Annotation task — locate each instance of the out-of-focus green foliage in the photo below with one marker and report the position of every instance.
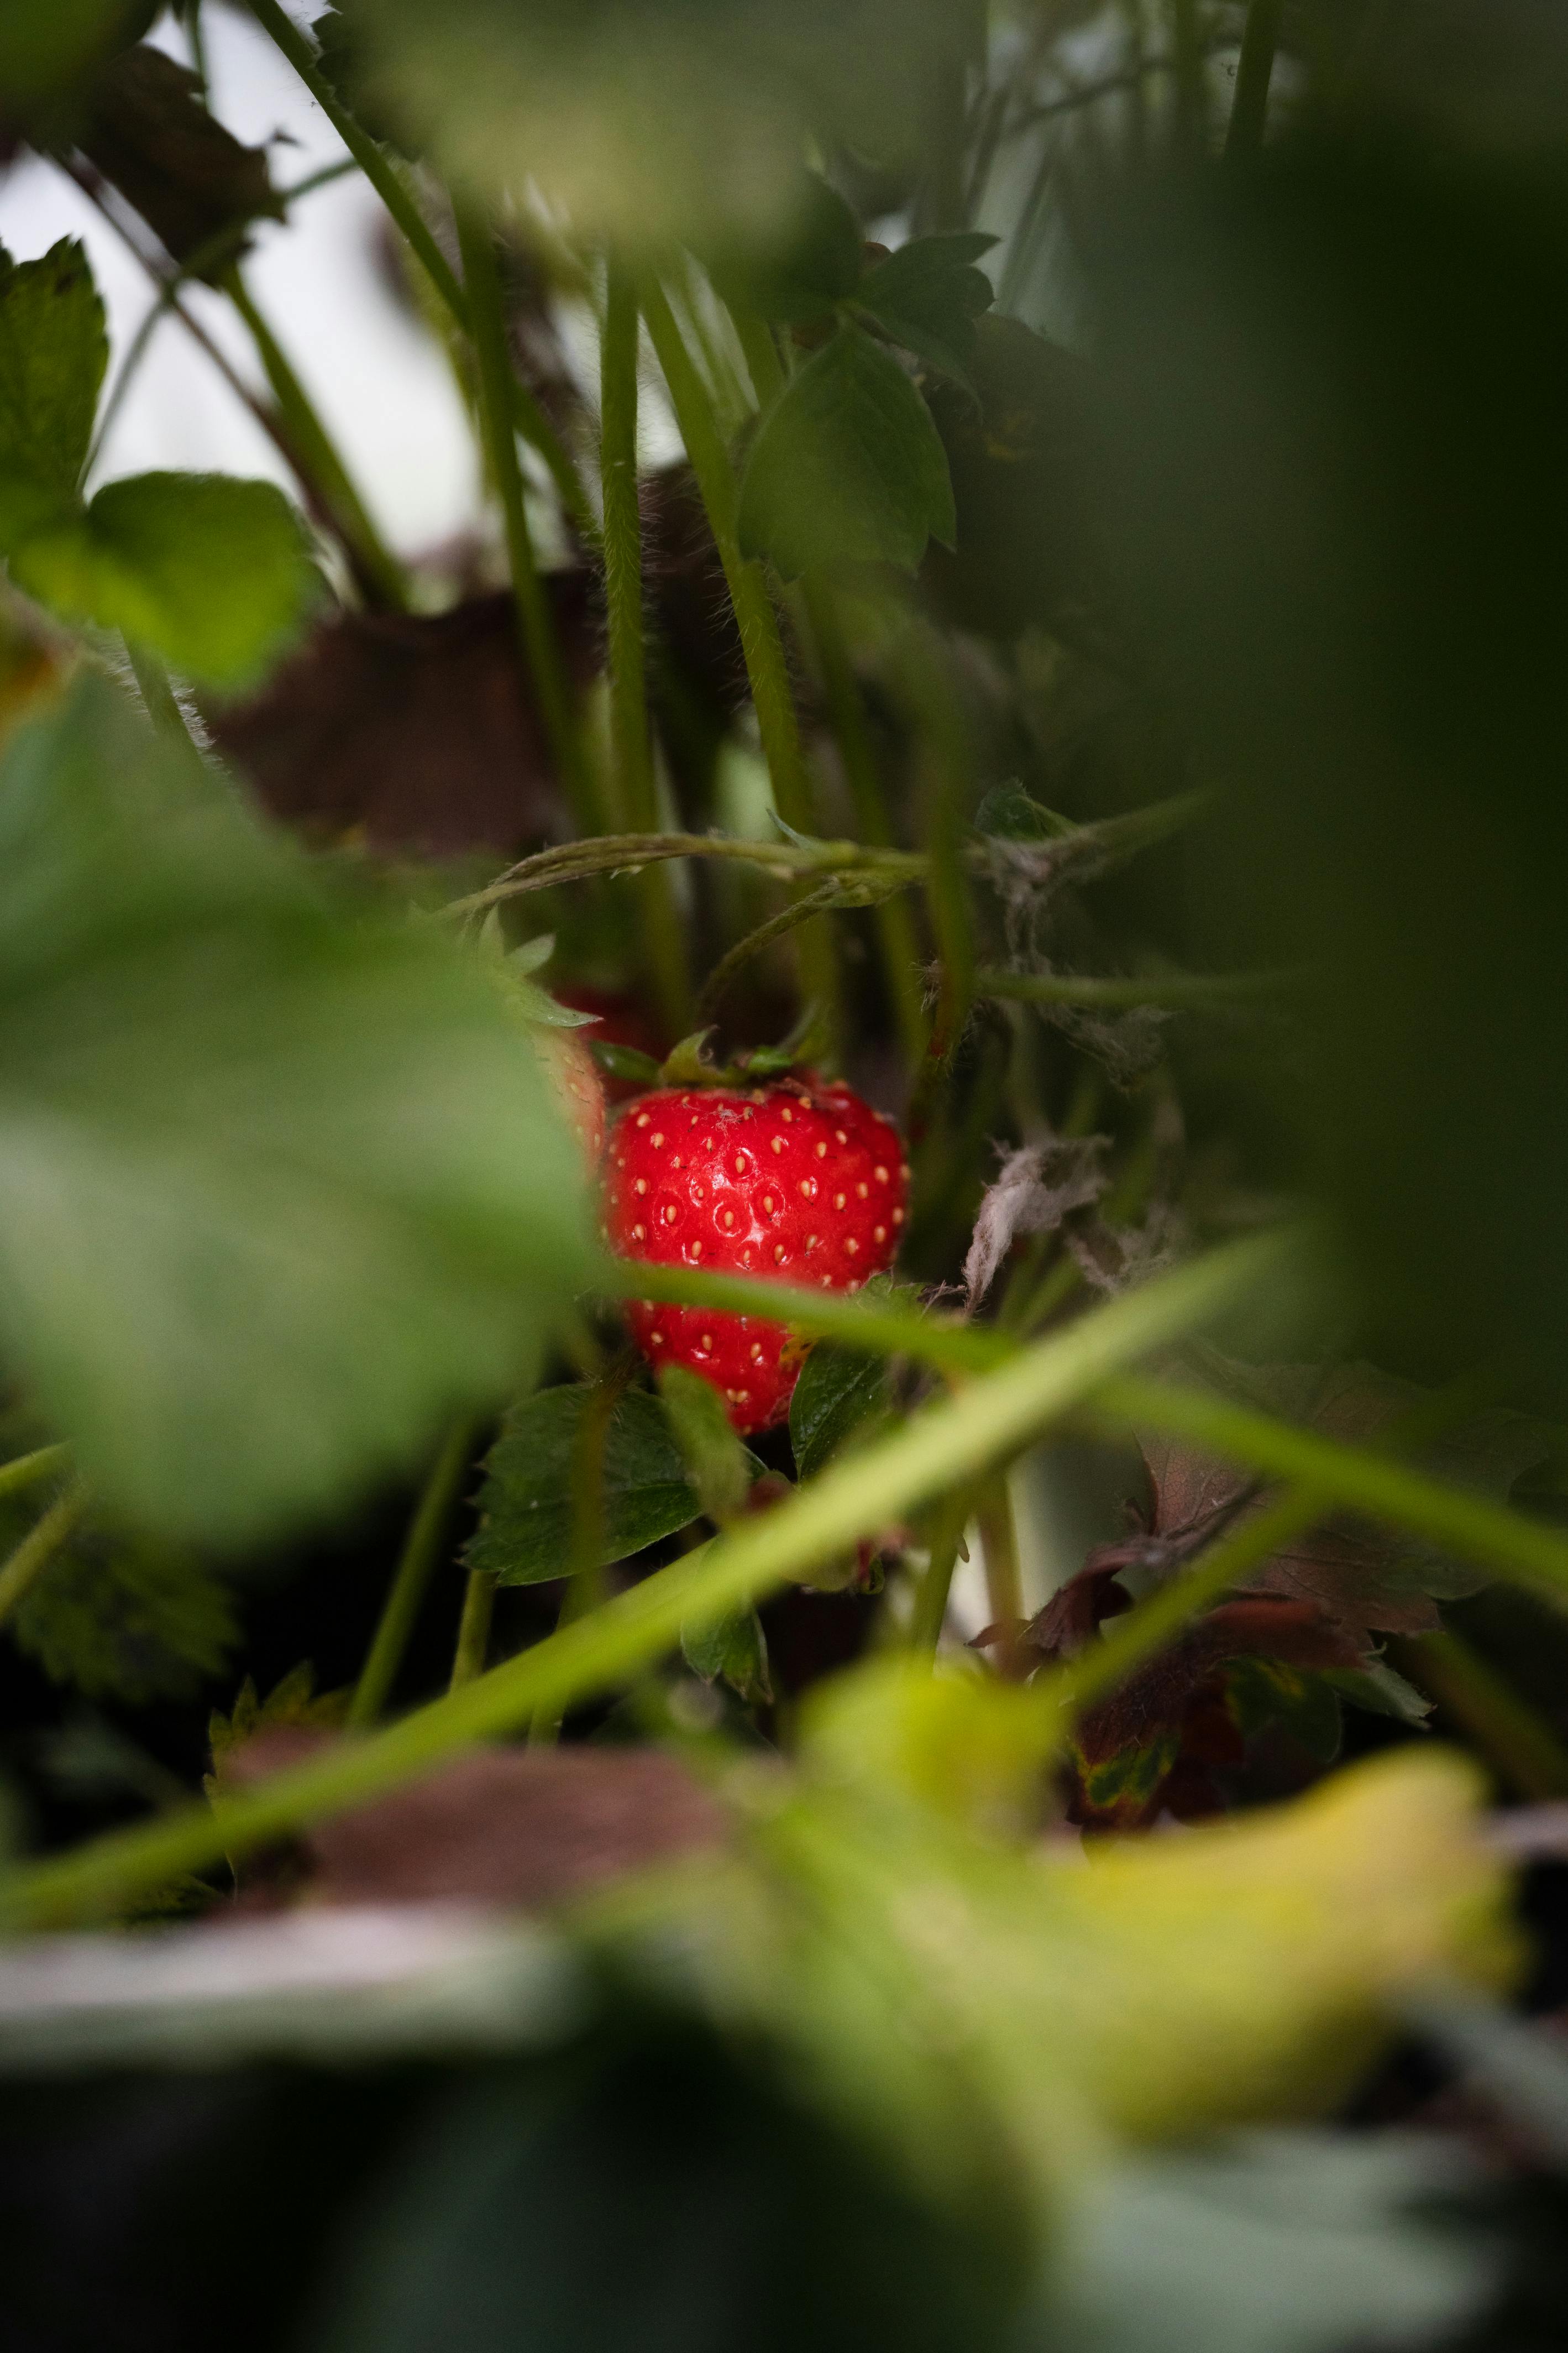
(129, 1618)
(647, 121)
(1331, 390)
(981, 2003)
(279, 1182)
(213, 573)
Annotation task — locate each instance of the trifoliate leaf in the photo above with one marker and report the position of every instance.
(53, 353)
(213, 573)
(280, 1185)
(126, 1618)
(524, 1536)
(846, 467)
(927, 296)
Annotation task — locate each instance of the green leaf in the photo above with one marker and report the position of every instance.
(280, 1185)
(719, 1467)
(53, 353)
(1382, 1692)
(1262, 1693)
(734, 1649)
(213, 573)
(847, 467)
(127, 1618)
(836, 1394)
(927, 295)
(524, 1536)
(795, 275)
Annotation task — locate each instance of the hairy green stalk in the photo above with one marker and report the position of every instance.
(936, 1451)
(1090, 850)
(897, 935)
(767, 669)
(663, 940)
(27, 1470)
(420, 1556)
(536, 624)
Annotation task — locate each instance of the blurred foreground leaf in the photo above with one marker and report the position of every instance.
(126, 1617)
(1277, 2243)
(278, 1184)
(965, 1991)
(1332, 396)
(652, 122)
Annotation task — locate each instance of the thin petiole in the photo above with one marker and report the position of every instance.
(638, 800)
(416, 1566)
(536, 627)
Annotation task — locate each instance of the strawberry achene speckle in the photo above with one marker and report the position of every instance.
(803, 1182)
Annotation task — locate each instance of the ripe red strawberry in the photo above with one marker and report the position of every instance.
(802, 1182)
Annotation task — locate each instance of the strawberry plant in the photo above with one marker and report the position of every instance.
(782, 1393)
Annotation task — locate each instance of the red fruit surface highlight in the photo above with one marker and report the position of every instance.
(802, 1183)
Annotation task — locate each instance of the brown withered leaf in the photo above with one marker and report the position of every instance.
(1366, 1578)
(147, 130)
(414, 734)
(527, 1828)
